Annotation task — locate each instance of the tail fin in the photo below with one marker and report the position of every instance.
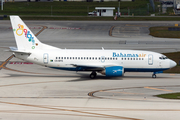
(25, 39)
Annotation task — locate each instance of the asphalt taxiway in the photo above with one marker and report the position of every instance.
(29, 91)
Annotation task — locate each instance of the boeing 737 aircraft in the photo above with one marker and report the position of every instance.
(112, 63)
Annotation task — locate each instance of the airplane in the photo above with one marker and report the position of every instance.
(111, 63)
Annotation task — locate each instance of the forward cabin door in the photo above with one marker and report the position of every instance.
(150, 59)
(45, 58)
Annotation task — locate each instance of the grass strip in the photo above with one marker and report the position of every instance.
(169, 96)
(163, 32)
(176, 57)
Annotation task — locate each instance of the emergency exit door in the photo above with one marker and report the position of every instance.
(150, 59)
(45, 58)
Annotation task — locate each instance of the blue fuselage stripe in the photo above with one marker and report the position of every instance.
(144, 69)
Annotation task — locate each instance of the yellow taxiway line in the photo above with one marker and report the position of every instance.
(158, 89)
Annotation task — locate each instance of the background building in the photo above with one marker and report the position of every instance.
(104, 11)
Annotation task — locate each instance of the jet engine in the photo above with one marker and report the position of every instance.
(115, 71)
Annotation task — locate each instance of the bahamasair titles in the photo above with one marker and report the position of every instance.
(111, 63)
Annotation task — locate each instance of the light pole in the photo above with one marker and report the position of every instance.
(51, 10)
(1, 4)
(119, 9)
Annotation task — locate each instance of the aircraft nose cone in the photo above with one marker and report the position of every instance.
(172, 64)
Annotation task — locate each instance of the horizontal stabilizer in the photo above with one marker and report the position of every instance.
(13, 49)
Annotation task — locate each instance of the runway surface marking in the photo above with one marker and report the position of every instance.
(138, 99)
(3, 65)
(96, 109)
(172, 74)
(110, 31)
(158, 89)
(83, 111)
(44, 27)
(90, 114)
(46, 97)
(137, 25)
(21, 71)
(30, 83)
(124, 92)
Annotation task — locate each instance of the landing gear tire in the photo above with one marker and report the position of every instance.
(93, 75)
(154, 76)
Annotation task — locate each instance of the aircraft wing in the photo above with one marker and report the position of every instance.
(92, 67)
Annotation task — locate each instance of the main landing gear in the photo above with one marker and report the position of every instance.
(153, 75)
(93, 75)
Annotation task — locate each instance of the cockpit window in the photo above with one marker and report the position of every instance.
(163, 57)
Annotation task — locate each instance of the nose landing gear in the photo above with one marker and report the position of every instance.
(93, 75)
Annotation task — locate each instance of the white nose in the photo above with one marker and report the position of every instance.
(172, 64)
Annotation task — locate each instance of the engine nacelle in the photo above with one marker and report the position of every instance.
(115, 71)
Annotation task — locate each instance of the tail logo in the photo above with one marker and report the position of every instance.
(20, 30)
(27, 33)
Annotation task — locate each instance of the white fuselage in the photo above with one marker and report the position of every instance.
(130, 60)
